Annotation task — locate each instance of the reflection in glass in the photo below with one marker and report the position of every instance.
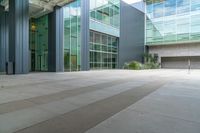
(105, 11)
(195, 5)
(72, 36)
(183, 6)
(172, 21)
(103, 51)
(170, 7)
(39, 43)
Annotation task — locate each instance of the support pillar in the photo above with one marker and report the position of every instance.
(56, 41)
(85, 35)
(19, 35)
(3, 39)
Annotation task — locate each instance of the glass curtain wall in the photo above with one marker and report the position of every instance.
(172, 21)
(105, 11)
(38, 37)
(103, 51)
(72, 44)
(104, 47)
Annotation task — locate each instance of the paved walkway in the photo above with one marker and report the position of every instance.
(117, 101)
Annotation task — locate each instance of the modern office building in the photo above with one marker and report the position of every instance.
(80, 35)
(173, 32)
(68, 35)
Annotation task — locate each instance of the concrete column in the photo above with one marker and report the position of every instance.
(19, 35)
(85, 35)
(56, 41)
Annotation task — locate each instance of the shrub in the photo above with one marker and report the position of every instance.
(150, 61)
(149, 58)
(135, 65)
(151, 65)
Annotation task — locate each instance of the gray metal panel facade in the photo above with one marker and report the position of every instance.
(182, 62)
(195, 62)
(3, 40)
(85, 35)
(55, 43)
(131, 46)
(174, 62)
(19, 35)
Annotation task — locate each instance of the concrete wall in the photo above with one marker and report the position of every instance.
(131, 44)
(177, 50)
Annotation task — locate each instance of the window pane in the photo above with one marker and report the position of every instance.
(102, 49)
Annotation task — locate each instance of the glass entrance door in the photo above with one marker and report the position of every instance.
(39, 43)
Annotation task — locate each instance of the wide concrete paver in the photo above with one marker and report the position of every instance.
(17, 120)
(174, 108)
(179, 104)
(130, 121)
(108, 101)
(82, 119)
(62, 106)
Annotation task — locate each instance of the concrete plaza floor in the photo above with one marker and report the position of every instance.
(107, 101)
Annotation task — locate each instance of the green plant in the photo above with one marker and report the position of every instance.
(150, 62)
(135, 65)
(151, 65)
(146, 57)
(149, 58)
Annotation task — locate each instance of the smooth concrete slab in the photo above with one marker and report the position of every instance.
(174, 108)
(107, 101)
(72, 92)
(62, 106)
(84, 118)
(176, 100)
(11, 122)
(130, 121)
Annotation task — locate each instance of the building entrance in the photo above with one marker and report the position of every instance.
(39, 44)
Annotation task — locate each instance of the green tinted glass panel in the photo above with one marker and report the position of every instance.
(103, 51)
(72, 36)
(172, 21)
(106, 11)
(39, 43)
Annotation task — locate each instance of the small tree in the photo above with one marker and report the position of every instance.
(149, 58)
(150, 61)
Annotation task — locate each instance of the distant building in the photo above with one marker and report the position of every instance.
(173, 32)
